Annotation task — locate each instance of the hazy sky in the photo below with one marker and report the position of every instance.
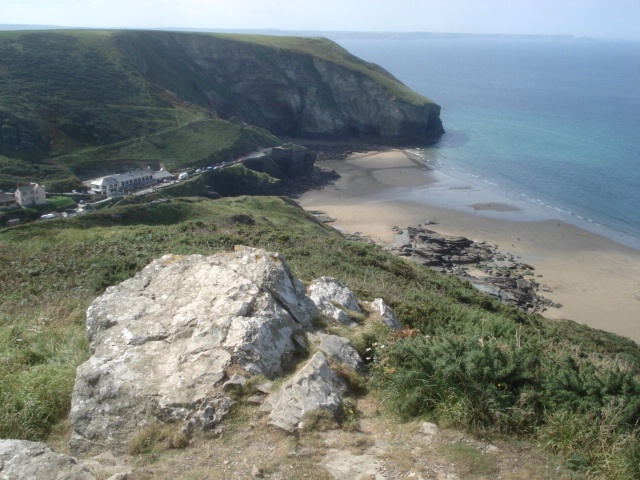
(593, 18)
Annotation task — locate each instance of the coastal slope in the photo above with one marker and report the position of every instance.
(72, 98)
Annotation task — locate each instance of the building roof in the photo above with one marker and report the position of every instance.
(5, 197)
(105, 181)
(28, 188)
(123, 177)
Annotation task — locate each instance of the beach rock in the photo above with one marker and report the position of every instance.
(21, 459)
(314, 387)
(163, 341)
(329, 295)
(503, 276)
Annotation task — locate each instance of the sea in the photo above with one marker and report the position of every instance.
(551, 121)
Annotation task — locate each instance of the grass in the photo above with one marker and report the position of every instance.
(475, 363)
(330, 51)
(157, 438)
(73, 100)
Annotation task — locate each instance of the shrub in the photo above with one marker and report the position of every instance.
(461, 381)
(592, 444)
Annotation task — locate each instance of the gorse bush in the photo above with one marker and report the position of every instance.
(462, 382)
(588, 412)
(592, 444)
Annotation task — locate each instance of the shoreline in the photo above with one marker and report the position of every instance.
(594, 278)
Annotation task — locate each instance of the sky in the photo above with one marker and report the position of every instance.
(615, 19)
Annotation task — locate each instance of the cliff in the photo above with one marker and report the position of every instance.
(300, 87)
(74, 100)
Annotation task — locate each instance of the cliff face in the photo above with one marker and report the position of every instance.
(288, 91)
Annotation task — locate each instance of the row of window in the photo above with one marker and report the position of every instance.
(142, 179)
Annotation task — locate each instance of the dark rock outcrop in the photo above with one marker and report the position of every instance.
(502, 276)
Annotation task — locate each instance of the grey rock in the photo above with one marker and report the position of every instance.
(21, 459)
(338, 349)
(388, 317)
(122, 476)
(327, 293)
(429, 430)
(312, 388)
(235, 382)
(343, 465)
(162, 341)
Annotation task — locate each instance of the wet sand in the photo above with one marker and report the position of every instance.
(595, 279)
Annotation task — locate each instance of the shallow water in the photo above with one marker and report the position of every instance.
(553, 123)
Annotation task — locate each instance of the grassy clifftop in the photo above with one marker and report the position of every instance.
(470, 362)
(330, 51)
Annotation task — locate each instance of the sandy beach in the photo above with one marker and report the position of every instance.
(595, 279)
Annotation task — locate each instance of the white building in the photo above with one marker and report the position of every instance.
(123, 182)
(104, 186)
(32, 194)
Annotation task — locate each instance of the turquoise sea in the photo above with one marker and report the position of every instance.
(552, 121)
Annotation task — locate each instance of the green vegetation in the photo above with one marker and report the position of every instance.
(472, 363)
(157, 438)
(328, 50)
(77, 104)
(71, 104)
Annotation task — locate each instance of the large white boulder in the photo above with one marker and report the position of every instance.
(333, 298)
(163, 341)
(314, 387)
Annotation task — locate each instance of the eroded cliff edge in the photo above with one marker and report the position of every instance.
(299, 87)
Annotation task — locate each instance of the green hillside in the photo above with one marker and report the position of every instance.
(73, 100)
(475, 364)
